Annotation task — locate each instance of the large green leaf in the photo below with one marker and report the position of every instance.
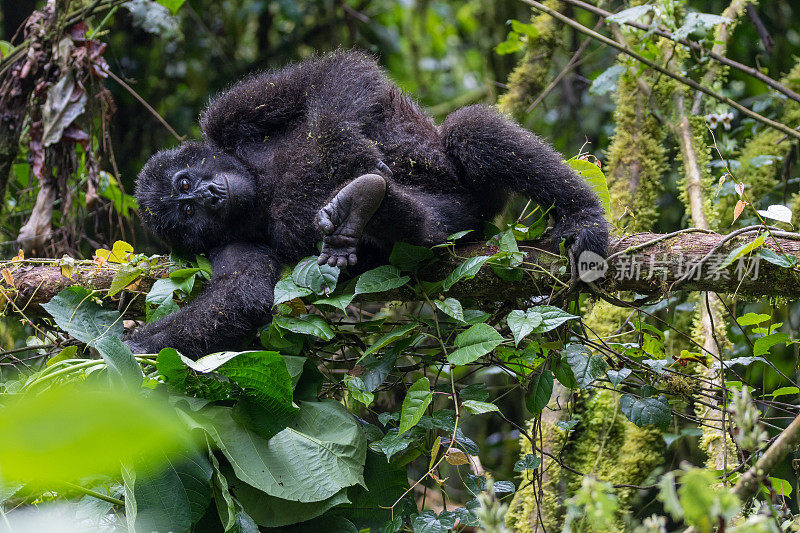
(417, 399)
(232, 515)
(286, 289)
(646, 411)
(552, 317)
(408, 257)
(306, 324)
(392, 336)
(385, 483)
(522, 323)
(380, 279)
(451, 307)
(78, 314)
(269, 511)
(540, 392)
(322, 453)
(174, 497)
(596, 180)
(585, 367)
(70, 432)
(477, 341)
(319, 278)
(466, 270)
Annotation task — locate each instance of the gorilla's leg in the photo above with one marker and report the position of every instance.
(493, 153)
(342, 220)
(386, 212)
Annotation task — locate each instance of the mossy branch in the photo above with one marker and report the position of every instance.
(642, 263)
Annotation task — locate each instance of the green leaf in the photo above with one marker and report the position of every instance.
(552, 317)
(751, 319)
(563, 372)
(393, 443)
(172, 5)
(698, 22)
(380, 279)
(785, 391)
(233, 517)
(269, 511)
(529, 462)
(595, 178)
(340, 301)
(585, 366)
(474, 391)
(417, 399)
(741, 251)
(540, 392)
(319, 278)
(606, 82)
(524, 28)
(319, 455)
(392, 336)
(478, 408)
(477, 341)
(451, 307)
(762, 345)
(408, 257)
(466, 270)
(126, 275)
(385, 483)
(646, 411)
(781, 486)
(174, 497)
(74, 310)
(5, 48)
(630, 14)
(305, 324)
(286, 290)
(512, 44)
(522, 323)
(458, 235)
(781, 260)
(618, 376)
(71, 432)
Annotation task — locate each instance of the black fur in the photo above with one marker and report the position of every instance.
(279, 145)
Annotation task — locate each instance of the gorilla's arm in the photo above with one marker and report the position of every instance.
(346, 84)
(238, 299)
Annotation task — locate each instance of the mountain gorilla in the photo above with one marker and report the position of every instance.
(329, 149)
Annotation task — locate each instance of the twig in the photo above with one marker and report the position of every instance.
(145, 104)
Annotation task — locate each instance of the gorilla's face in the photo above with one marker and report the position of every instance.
(194, 197)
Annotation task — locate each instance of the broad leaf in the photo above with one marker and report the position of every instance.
(305, 324)
(451, 307)
(478, 408)
(74, 310)
(466, 270)
(286, 289)
(174, 497)
(595, 178)
(417, 399)
(319, 455)
(585, 366)
(380, 279)
(540, 392)
(319, 278)
(522, 323)
(646, 411)
(477, 341)
(389, 338)
(552, 317)
(529, 462)
(408, 257)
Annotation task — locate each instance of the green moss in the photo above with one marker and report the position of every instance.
(532, 74)
(604, 444)
(636, 159)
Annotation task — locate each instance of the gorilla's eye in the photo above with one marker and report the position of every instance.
(188, 210)
(183, 185)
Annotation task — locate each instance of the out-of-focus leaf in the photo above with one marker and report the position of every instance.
(87, 432)
(606, 82)
(596, 180)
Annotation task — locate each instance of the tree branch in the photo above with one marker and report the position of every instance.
(643, 263)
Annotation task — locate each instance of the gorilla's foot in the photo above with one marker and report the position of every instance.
(343, 219)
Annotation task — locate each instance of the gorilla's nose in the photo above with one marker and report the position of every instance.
(211, 196)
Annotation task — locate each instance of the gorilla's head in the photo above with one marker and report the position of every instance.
(195, 197)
